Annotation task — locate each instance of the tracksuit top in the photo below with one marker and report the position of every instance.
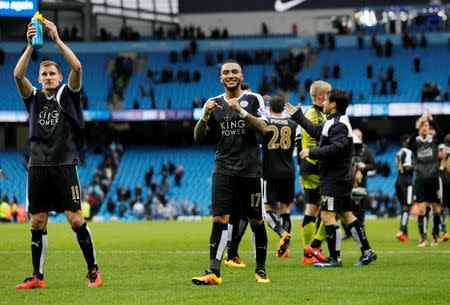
(334, 153)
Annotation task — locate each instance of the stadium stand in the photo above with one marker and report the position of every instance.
(195, 187)
(352, 60)
(15, 180)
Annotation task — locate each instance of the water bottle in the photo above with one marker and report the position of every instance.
(37, 41)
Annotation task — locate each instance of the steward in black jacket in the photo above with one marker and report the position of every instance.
(335, 154)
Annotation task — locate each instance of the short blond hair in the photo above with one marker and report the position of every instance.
(48, 63)
(317, 87)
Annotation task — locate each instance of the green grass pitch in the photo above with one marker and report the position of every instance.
(153, 262)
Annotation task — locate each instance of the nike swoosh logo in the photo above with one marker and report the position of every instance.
(284, 6)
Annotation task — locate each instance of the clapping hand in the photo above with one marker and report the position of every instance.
(291, 109)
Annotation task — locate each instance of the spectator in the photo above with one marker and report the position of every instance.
(196, 102)
(185, 207)
(321, 40)
(148, 207)
(179, 174)
(219, 56)
(265, 29)
(104, 35)
(173, 57)
(331, 42)
(5, 210)
(180, 75)
(413, 41)
(136, 104)
(154, 186)
(380, 146)
(2, 56)
(384, 85)
(66, 34)
(360, 41)
(185, 54)
(165, 183)
(110, 206)
(379, 49)
(406, 40)
(373, 41)
(14, 208)
(149, 176)
(374, 85)
(388, 48)
(138, 191)
(325, 71)
(195, 209)
(122, 209)
(416, 63)
(336, 71)
(302, 95)
(193, 46)
(171, 168)
(186, 76)
(196, 76)
(138, 209)
(308, 83)
(225, 34)
(127, 194)
(423, 41)
(361, 96)
(430, 92)
(369, 70)
(21, 213)
(294, 29)
(74, 33)
(209, 58)
(390, 73)
(394, 85)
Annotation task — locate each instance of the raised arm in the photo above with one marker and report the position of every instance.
(201, 129)
(413, 136)
(23, 84)
(439, 133)
(75, 76)
(297, 115)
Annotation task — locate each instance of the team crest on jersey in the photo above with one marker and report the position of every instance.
(243, 103)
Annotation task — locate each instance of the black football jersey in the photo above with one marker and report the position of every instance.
(403, 159)
(278, 147)
(427, 160)
(238, 145)
(56, 142)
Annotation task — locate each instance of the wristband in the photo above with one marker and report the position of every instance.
(243, 113)
(205, 118)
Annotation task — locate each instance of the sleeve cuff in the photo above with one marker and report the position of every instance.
(312, 153)
(74, 91)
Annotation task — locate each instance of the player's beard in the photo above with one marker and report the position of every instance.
(235, 87)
